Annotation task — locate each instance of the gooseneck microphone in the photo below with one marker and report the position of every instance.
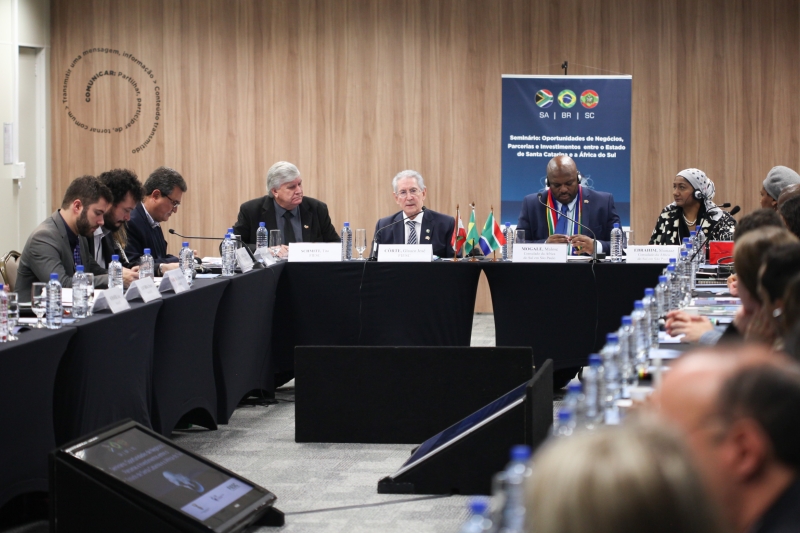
(188, 237)
(594, 247)
(375, 240)
(707, 242)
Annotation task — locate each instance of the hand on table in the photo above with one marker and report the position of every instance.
(557, 239)
(166, 267)
(733, 283)
(691, 327)
(583, 244)
(129, 275)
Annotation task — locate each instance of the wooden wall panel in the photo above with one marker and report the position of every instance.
(353, 91)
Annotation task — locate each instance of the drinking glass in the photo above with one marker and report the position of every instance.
(39, 302)
(519, 236)
(629, 239)
(275, 241)
(89, 292)
(13, 315)
(361, 243)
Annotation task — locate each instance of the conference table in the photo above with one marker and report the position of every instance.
(191, 357)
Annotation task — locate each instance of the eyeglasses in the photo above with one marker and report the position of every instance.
(410, 192)
(175, 204)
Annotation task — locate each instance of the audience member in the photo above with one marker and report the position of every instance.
(781, 264)
(776, 181)
(792, 191)
(111, 237)
(790, 213)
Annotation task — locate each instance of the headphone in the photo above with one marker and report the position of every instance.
(580, 179)
(699, 195)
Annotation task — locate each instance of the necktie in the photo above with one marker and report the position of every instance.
(288, 230)
(561, 225)
(412, 232)
(76, 253)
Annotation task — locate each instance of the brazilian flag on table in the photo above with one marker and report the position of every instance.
(472, 234)
(492, 236)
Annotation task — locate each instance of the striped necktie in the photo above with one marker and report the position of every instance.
(412, 232)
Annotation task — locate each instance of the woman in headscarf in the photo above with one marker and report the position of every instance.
(693, 193)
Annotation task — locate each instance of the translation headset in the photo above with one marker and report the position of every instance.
(580, 179)
(699, 195)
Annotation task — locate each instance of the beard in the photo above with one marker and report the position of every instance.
(111, 226)
(84, 226)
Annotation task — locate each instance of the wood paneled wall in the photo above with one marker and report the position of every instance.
(353, 91)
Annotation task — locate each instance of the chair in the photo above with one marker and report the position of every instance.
(8, 269)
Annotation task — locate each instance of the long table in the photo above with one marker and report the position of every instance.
(194, 356)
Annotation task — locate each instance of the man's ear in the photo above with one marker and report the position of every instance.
(76, 206)
(747, 449)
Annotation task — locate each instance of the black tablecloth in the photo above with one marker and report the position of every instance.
(242, 338)
(106, 373)
(183, 363)
(373, 304)
(559, 310)
(28, 369)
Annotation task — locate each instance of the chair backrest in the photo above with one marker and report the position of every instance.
(8, 269)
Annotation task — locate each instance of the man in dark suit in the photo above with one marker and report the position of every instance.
(163, 191)
(59, 243)
(299, 218)
(110, 238)
(419, 225)
(566, 195)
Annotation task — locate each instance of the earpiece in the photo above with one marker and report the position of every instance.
(580, 179)
(699, 195)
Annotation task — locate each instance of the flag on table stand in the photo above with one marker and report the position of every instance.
(459, 234)
(472, 233)
(492, 236)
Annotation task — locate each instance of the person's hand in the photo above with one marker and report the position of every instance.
(583, 243)
(733, 283)
(129, 275)
(691, 327)
(557, 239)
(166, 267)
(284, 251)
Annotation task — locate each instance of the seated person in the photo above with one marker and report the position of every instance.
(163, 191)
(110, 238)
(790, 214)
(776, 181)
(421, 225)
(566, 195)
(300, 218)
(60, 242)
(693, 193)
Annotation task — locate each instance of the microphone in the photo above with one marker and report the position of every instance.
(734, 210)
(594, 247)
(188, 237)
(374, 251)
(707, 242)
(725, 205)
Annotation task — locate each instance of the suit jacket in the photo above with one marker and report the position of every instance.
(437, 230)
(47, 251)
(141, 235)
(109, 247)
(599, 214)
(314, 219)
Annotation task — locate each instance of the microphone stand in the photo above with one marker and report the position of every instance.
(706, 243)
(374, 251)
(594, 244)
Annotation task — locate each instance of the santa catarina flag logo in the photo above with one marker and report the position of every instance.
(544, 98)
(567, 98)
(589, 99)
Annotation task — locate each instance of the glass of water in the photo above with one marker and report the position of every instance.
(39, 302)
(361, 243)
(275, 241)
(89, 292)
(13, 315)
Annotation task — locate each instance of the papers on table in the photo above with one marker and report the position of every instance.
(664, 338)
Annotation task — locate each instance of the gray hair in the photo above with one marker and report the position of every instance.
(408, 174)
(164, 179)
(280, 173)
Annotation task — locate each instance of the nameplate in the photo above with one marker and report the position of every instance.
(111, 299)
(174, 281)
(651, 254)
(244, 259)
(145, 289)
(264, 255)
(405, 253)
(539, 253)
(314, 252)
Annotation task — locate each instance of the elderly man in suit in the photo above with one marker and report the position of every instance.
(60, 242)
(420, 225)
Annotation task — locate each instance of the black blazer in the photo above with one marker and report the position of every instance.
(437, 230)
(141, 235)
(314, 218)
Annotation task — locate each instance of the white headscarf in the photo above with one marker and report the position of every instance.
(698, 179)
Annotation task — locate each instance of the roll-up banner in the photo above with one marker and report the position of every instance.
(585, 117)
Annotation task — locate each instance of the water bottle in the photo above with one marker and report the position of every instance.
(80, 293)
(147, 265)
(651, 306)
(593, 384)
(674, 281)
(3, 315)
(115, 273)
(685, 273)
(616, 244)
(575, 401)
(511, 238)
(627, 356)
(700, 242)
(563, 426)
(347, 242)
(517, 471)
(506, 248)
(186, 260)
(613, 377)
(672, 261)
(54, 309)
(662, 296)
(692, 264)
(641, 335)
(262, 236)
(478, 521)
(228, 255)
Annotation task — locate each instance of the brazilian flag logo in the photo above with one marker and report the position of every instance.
(589, 99)
(544, 98)
(567, 98)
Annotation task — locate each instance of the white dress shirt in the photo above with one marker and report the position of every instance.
(417, 225)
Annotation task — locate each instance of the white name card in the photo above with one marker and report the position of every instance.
(265, 256)
(539, 253)
(314, 252)
(145, 289)
(244, 259)
(405, 253)
(110, 299)
(174, 281)
(651, 254)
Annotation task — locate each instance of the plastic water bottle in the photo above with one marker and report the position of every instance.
(575, 401)
(3, 315)
(186, 261)
(347, 242)
(506, 248)
(594, 383)
(478, 521)
(685, 273)
(641, 335)
(54, 309)
(262, 236)
(616, 244)
(626, 356)
(613, 381)
(672, 261)
(147, 265)
(228, 251)
(700, 242)
(517, 471)
(115, 273)
(651, 306)
(511, 238)
(662, 296)
(564, 426)
(692, 264)
(674, 281)
(80, 293)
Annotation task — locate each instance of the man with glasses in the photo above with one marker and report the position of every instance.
(419, 225)
(163, 191)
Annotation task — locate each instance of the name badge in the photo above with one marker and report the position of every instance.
(651, 254)
(244, 259)
(539, 253)
(405, 253)
(143, 288)
(314, 252)
(265, 256)
(111, 299)
(174, 281)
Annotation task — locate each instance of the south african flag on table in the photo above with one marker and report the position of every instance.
(492, 236)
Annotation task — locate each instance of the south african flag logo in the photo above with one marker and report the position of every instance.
(589, 99)
(567, 98)
(544, 98)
